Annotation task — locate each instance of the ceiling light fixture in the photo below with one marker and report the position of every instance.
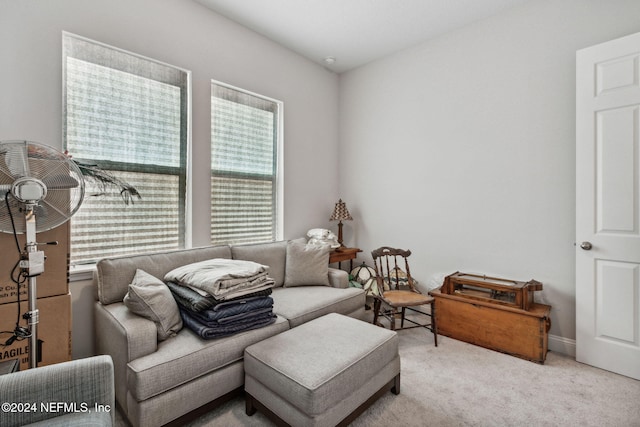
(330, 60)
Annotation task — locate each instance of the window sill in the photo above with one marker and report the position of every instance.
(78, 273)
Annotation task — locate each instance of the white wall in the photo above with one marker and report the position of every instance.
(462, 149)
(185, 34)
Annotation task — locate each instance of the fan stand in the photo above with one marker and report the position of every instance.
(33, 265)
(32, 173)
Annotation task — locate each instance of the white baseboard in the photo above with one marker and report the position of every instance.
(562, 345)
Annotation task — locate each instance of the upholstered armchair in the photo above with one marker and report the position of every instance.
(75, 393)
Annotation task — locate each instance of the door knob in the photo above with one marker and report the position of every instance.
(586, 246)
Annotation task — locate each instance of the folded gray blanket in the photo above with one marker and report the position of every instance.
(222, 278)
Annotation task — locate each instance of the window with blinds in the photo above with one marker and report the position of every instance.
(245, 136)
(128, 115)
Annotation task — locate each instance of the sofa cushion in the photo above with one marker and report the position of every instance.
(271, 254)
(150, 298)
(306, 265)
(301, 304)
(186, 357)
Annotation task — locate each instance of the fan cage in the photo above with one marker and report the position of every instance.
(60, 174)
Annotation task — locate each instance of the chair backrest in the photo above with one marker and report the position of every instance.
(392, 269)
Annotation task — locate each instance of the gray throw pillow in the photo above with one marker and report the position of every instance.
(149, 297)
(306, 265)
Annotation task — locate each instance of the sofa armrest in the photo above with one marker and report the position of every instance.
(125, 337)
(338, 278)
(119, 331)
(84, 383)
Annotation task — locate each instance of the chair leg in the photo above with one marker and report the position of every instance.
(434, 324)
(402, 318)
(376, 310)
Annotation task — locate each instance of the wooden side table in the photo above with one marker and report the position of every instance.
(344, 254)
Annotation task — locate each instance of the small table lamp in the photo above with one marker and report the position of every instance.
(340, 213)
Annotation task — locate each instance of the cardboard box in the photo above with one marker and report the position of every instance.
(54, 280)
(53, 330)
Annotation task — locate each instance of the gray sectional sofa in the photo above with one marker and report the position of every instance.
(157, 382)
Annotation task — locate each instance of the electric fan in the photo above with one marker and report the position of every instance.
(42, 188)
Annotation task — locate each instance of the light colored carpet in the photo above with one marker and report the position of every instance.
(458, 384)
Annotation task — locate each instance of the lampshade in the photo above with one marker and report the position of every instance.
(340, 212)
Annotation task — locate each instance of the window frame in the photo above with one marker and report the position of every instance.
(183, 171)
(278, 159)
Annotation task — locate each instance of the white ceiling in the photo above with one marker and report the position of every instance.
(355, 32)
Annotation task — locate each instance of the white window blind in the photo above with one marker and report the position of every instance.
(128, 115)
(244, 174)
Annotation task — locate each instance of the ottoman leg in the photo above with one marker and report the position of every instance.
(250, 408)
(396, 385)
(252, 405)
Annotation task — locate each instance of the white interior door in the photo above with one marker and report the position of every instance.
(608, 206)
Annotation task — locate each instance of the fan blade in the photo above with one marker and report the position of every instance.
(60, 182)
(52, 214)
(16, 159)
(40, 210)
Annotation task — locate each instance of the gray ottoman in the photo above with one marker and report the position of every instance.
(325, 372)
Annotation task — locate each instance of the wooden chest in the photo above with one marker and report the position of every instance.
(521, 333)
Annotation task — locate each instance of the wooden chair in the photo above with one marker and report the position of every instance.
(397, 292)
